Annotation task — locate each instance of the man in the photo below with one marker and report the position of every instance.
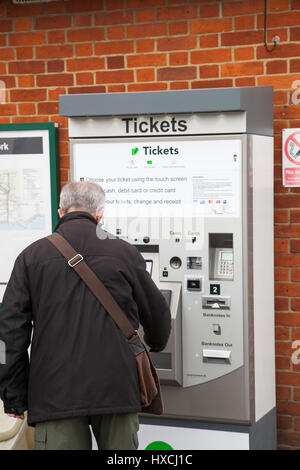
(82, 371)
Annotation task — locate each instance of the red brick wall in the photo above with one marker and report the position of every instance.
(82, 46)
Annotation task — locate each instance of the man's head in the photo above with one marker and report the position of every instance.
(82, 196)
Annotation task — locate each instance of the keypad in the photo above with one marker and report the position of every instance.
(225, 268)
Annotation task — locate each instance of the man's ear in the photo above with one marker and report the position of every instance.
(99, 215)
(60, 213)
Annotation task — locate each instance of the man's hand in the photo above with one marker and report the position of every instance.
(16, 416)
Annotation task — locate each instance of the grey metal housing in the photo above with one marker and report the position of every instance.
(242, 398)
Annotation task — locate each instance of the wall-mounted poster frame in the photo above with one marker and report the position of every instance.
(28, 189)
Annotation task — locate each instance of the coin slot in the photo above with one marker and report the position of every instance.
(175, 262)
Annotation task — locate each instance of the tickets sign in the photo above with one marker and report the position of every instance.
(291, 157)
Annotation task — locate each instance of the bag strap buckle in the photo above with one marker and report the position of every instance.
(72, 262)
(133, 337)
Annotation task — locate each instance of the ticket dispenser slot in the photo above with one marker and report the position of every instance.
(216, 356)
(221, 265)
(167, 293)
(169, 361)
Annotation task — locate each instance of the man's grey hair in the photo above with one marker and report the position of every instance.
(82, 195)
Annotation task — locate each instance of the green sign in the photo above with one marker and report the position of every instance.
(159, 445)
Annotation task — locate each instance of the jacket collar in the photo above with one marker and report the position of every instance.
(75, 215)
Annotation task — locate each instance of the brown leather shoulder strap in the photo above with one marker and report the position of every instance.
(76, 262)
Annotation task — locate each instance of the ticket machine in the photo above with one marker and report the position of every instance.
(188, 177)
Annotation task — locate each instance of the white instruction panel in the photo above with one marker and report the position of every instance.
(154, 177)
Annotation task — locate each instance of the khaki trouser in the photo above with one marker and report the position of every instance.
(112, 432)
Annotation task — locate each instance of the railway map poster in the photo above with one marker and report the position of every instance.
(25, 193)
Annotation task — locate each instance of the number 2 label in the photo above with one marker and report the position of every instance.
(215, 289)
